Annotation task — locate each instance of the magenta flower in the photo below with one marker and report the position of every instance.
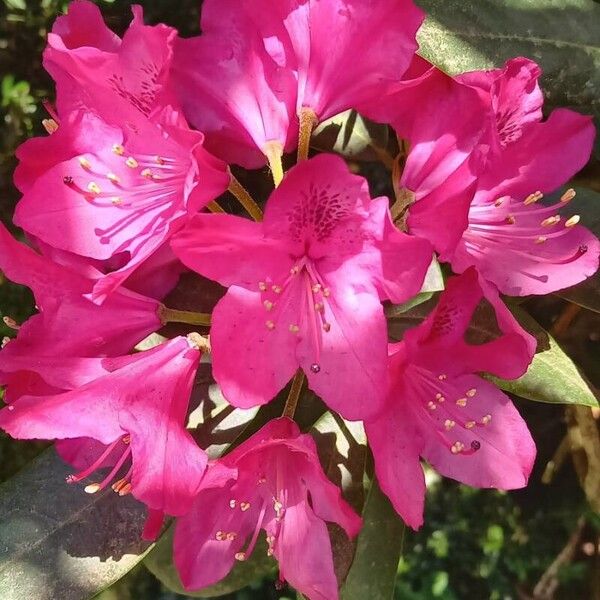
(440, 409)
(135, 406)
(121, 80)
(280, 488)
(109, 193)
(305, 288)
(258, 63)
(68, 324)
(521, 245)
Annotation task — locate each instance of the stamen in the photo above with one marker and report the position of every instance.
(113, 177)
(268, 304)
(94, 188)
(532, 198)
(132, 163)
(232, 503)
(550, 221)
(85, 163)
(471, 393)
(241, 556)
(462, 402)
(572, 221)
(568, 195)
(486, 419)
(118, 149)
(11, 323)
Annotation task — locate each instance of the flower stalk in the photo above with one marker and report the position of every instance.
(245, 199)
(308, 122)
(294, 395)
(171, 315)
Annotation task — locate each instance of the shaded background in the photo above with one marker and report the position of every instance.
(475, 544)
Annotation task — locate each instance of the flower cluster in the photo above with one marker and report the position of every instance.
(119, 199)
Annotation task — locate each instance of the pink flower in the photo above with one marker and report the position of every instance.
(514, 241)
(305, 288)
(258, 62)
(121, 80)
(107, 192)
(280, 488)
(135, 406)
(68, 324)
(440, 409)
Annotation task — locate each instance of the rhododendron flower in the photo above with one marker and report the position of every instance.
(440, 409)
(112, 193)
(68, 324)
(258, 63)
(305, 288)
(134, 405)
(281, 488)
(123, 81)
(522, 246)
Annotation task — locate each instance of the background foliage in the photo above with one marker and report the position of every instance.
(542, 542)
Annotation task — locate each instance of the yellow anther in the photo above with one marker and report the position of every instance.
(244, 506)
(94, 188)
(462, 402)
(572, 221)
(232, 535)
(486, 419)
(241, 556)
(118, 149)
(550, 221)
(116, 200)
(568, 195)
(92, 488)
(220, 536)
(457, 447)
(449, 424)
(471, 393)
(85, 163)
(147, 173)
(470, 424)
(132, 163)
(533, 198)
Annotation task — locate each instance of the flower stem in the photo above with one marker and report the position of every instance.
(294, 395)
(245, 199)
(274, 153)
(214, 207)
(171, 315)
(308, 121)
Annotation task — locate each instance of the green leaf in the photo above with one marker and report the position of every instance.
(352, 136)
(160, 564)
(552, 377)
(587, 205)
(56, 541)
(562, 35)
(373, 572)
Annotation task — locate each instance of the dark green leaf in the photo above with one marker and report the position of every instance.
(56, 541)
(160, 563)
(562, 35)
(373, 572)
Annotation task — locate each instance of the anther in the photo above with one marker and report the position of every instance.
(541, 239)
(550, 221)
(471, 393)
(295, 270)
(568, 195)
(92, 488)
(262, 286)
(244, 506)
(457, 447)
(475, 445)
(94, 188)
(4, 342)
(132, 163)
(326, 292)
(276, 289)
(533, 198)
(232, 535)
(126, 489)
(11, 323)
(116, 200)
(268, 305)
(449, 424)
(486, 419)
(220, 536)
(126, 439)
(50, 125)
(316, 288)
(572, 221)
(315, 368)
(232, 503)
(118, 149)
(241, 556)
(442, 377)
(147, 173)
(85, 163)
(432, 405)
(462, 402)
(470, 424)
(270, 325)
(113, 177)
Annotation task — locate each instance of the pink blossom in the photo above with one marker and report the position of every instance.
(258, 62)
(112, 193)
(305, 288)
(124, 80)
(440, 409)
(135, 406)
(281, 488)
(68, 324)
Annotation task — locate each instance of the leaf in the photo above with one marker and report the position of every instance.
(587, 205)
(552, 377)
(160, 564)
(352, 136)
(56, 541)
(562, 35)
(373, 572)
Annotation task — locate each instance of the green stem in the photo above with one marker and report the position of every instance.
(170, 315)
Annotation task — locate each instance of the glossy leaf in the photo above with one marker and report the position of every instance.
(56, 541)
